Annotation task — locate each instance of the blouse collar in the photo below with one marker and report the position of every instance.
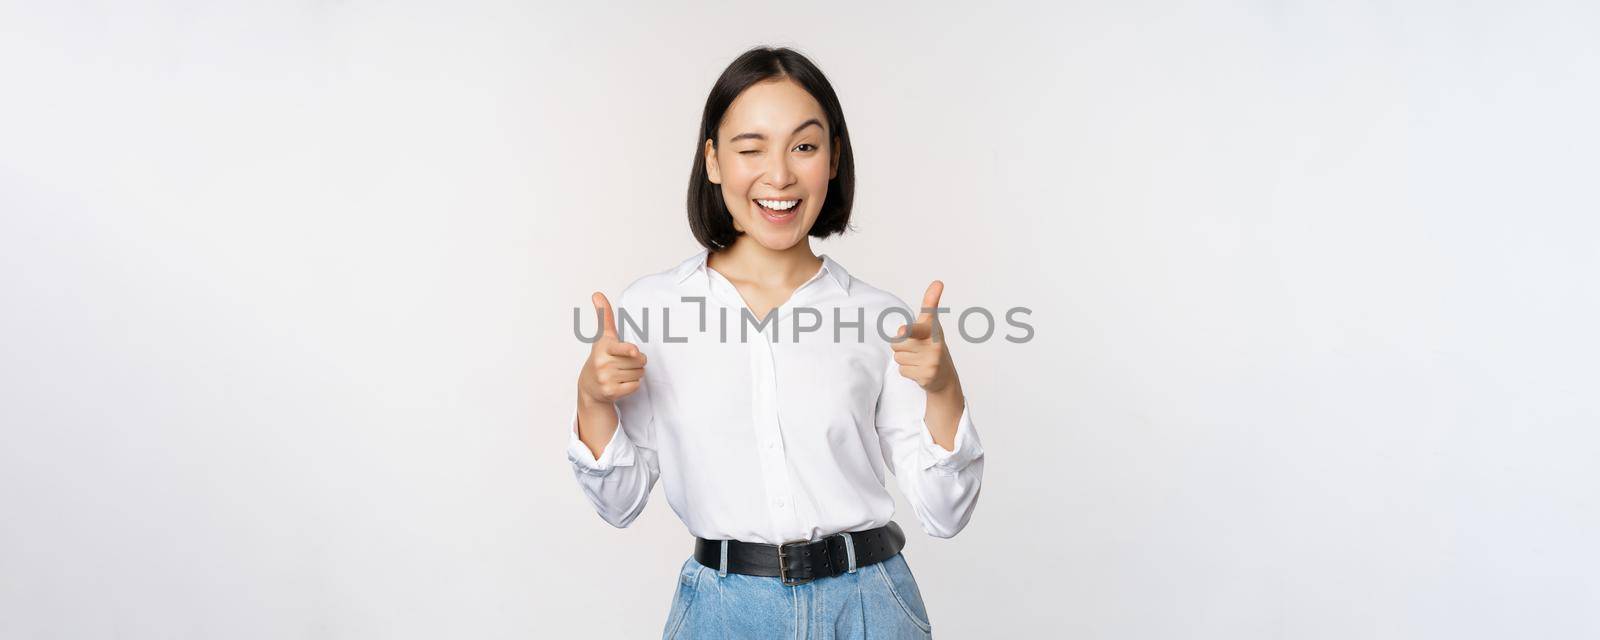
(697, 264)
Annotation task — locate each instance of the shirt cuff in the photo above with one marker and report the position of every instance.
(618, 452)
(967, 446)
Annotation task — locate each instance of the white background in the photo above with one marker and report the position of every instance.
(286, 345)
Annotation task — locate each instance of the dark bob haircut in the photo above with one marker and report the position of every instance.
(708, 213)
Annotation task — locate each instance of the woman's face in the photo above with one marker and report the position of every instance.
(773, 158)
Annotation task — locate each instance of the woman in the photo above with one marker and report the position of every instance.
(772, 431)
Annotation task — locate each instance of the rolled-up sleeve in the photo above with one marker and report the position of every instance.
(941, 484)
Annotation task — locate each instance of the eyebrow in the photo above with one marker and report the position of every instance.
(758, 136)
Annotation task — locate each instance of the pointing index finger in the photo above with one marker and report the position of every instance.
(624, 350)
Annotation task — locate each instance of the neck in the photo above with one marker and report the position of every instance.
(748, 260)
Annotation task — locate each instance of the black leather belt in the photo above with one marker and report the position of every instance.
(801, 562)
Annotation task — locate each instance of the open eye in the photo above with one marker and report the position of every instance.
(809, 147)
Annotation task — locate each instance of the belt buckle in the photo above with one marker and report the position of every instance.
(783, 566)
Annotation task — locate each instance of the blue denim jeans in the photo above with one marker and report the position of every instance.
(878, 601)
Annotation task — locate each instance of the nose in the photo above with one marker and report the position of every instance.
(779, 176)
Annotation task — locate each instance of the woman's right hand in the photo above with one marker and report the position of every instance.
(615, 368)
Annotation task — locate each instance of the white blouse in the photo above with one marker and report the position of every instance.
(769, 432)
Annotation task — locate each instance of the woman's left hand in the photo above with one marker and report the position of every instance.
(923, 356)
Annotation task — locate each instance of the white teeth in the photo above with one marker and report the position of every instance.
(778, 205)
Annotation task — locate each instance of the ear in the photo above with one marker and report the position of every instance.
(713, 172)
(833, 165)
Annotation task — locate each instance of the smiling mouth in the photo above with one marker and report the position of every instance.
(775, 215)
